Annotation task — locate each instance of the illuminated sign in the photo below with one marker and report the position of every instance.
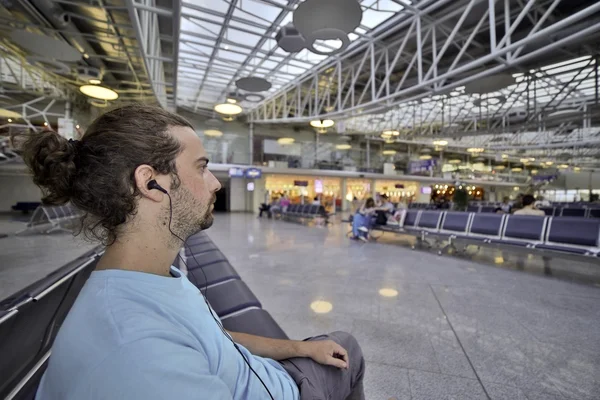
(253, 173)
(236, 172)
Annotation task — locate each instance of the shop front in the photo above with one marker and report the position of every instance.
(397, 191)
(304, 189)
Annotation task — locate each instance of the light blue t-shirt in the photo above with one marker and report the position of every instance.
(132, 335)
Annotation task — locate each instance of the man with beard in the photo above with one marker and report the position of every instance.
(139, 329)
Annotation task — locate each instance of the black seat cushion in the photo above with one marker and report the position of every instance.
(594, 212)
(255, 322)
(487, 224)
(411, 218)
(203, 259)
(456, 221)
(526, 227)
(549, 211)
(199, 248)
(573, 212)
(487, 209)
(430, 219)
(230, 297)
(212, 274)
(473, 209)
(574, 230)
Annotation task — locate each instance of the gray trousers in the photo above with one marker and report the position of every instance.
(324, 382)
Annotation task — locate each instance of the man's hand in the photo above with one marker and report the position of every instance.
(326, 352)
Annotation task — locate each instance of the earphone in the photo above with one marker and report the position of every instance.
(154, 185)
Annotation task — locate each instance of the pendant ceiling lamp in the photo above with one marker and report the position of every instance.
(440, 142)
(327, 20)
(286, 140)
(475, 150)
(4, 113)
(213, 133)
(388, 152)
(99, 92)
(343, 147)
(425, 157)
(455, 161)
(322, 123)
(228, 109)
(390, 132)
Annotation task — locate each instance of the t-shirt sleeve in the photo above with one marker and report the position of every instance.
(153, 369)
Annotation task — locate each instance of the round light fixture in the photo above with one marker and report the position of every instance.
(99, 92)
(534, 172)
(576, 169)
(4, 113)
(516, 169)
(322, 123)
(390, 132)
(322, 130)
(343, 147)
(231, 100)
(387, 292)
(253, 97)
(425, 157)
(253, 84)
(500, 167)
(549, 163)
(10, 120)
(228, 109)
(213, 133)
(524, 160)
(504, 156)
(440, 143)
(228, 118)
(476, 150)
(388, 152)
(286, 140)
(563, 166)
(389, 140)
(95, 81)
(455, 161)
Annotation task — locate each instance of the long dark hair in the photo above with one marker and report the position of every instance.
(370, 203)
(96, 174)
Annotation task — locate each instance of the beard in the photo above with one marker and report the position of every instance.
(190, 215)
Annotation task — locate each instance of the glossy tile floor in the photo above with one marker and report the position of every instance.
(456, 329)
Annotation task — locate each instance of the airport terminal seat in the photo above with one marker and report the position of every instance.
(474, 209)
(549, 211)
(456, 224)
(212, 274)
(486, 227)
(594, 212)
(25, 206)
(199, 248)
(29, 321)
(201, 260)
(411, 219)
(487, 209)
(230, 297)
(523, 230)
(573, 235)
(254, 322)
(429, 220)
(573, 212)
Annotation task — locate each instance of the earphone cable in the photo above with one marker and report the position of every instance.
(219, 324)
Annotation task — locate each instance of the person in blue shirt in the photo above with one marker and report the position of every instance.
(139, 328)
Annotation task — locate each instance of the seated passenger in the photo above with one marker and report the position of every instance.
(384, 210)
(361, 223)
(528, 207)
(139, 328)
(316, 201)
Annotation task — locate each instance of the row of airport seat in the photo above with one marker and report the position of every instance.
(549, 211)
(231, 299)
(302, 211)
(567, 235)
(31, 318)
(29, 321)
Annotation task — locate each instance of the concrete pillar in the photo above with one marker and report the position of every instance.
(343, 192)
(251, 143)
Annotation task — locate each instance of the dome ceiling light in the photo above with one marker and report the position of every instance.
(327, 20)
(343, 147)
(425, 157)
(45, 46)
(440, 143)
(228, 109)
(455, 161)
(516, 169)
(98, 103)
(286, 140)
(4, 113)
(390, 132)
(253, 84)
(322, 123)
(475, 150)
(499, 167)
(322, 130)
(228, 118)
(99, 92)
(253, 97)
(213, 133)
(388, 152)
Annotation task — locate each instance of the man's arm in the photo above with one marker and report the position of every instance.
(326, 352)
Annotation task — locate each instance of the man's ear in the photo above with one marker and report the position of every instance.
(142, 175)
